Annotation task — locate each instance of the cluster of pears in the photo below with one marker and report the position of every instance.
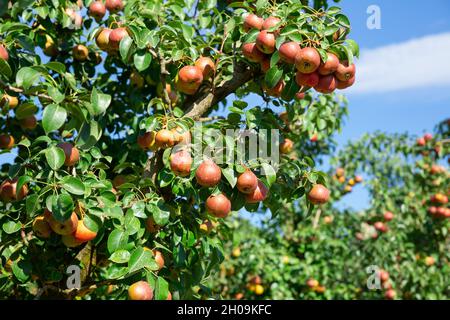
(255, 285)
(382, 226)
(311, 71)
(438, 208)
(189, 78)
(340, 177)
(73, 231)
(315, 286)
(164, 138)
(384, 277)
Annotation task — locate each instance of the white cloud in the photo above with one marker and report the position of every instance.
(418, 63)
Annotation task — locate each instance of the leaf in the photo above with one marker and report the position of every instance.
(120, 256)
(269, 172)
(73, 185)
(22, 181)
(26, 77)
(161, 289)
(22, 270)
(142, 60)
(25, 110)
(56, 66)
(55, 157)
(230, 176)
(5, 69)
(162, 215)
(273, 76)
(117, 239)
(354, 47)
(53, 118)
(124, 48)
(55, 94)
(140, 259)
(32, 204)
(11, 227)
(100, 102)
(62, 207)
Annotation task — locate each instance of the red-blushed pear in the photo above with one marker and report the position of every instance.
(260, 193)
(70, 241)
(6, 141)
(115, 37)
(307, 79)
(428, 136)
(345, 84)
(252, 21)
(208, 174)
(330, 66)
(345, 72)
(72, 154)
(97, 10)
(421, 142)
(206, 66)
(28, 123)
(247, 182)
(3, 53)
(388, 216)
(62, 228)
(41, 228)
(265, 42)
(102, 39)
(151, 225)
(218, 205)
(159, 258)
(80, 52)
(275, 91)
(270, 23)
(140, 290)
(288, 51)
(429, 261)
(286, 146)
(182, 136)
(312, 283)
(307, 60)
(300, 95)
(119, 180)
(265, 65)
(114, 6)
(180, 163)
(383, 275)
(83, 233)
(358, 179)
(189, 79)
(11, 101)
(169, 296)
(319, 194)
(147, 140)
(165, 139)
(252, 53)
(340, 172)
(314, 138)
(9, 193)
(390, 294)
(326, 85)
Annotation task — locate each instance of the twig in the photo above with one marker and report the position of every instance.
(316, 218)
(19, 90)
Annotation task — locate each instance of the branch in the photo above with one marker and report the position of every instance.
(242, 74)
(19, 90)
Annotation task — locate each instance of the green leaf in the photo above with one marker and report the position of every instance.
(73, 185)
(100, 101)
(230, 176)
(142, 60)
(140, 259)
(26, 77)
(269, 172)
(124, 48)
(62, 207)
(55, 94)
(117, 239)
(354, 47)
(55, 157)
(162, 215)
(53, 118)
(11, 227)
(273, 76)
(32, 204)
(25, 110)
(22, 181)
(22, 270)
(120, 256)
(56, 66)
(5, 69)
(161, 289)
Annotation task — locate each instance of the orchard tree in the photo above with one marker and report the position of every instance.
(398, 248)
(107, 107)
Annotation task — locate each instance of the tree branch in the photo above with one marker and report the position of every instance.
(196, 108)
(19, 90)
